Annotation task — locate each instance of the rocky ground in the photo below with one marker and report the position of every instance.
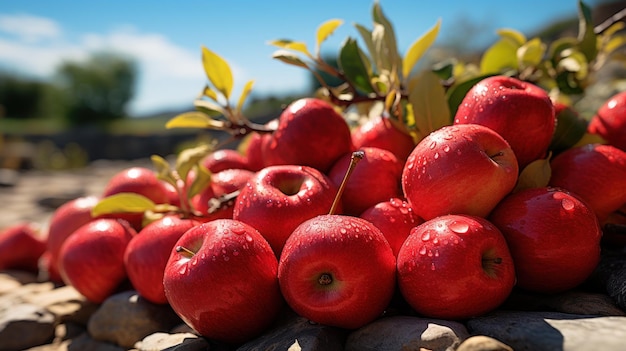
(41, 316)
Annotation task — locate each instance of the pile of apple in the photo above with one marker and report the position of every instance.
(334, 221)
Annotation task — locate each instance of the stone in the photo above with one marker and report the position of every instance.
(13, 279)
(125, 318)
(310, 337)
(610, 274)
(483, 343)
(172, 342)
(575, 302)
(25, 325)
(529, 330)
(85, 342)
(66, 303)
(8, 177)
(407, 333)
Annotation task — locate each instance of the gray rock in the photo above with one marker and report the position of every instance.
(125, 318)
(66, 303)
(24, 326)
(552, 330)
(172, 342)
(310, 337)
(407, 333)
(483, 343)
(610, 274)
(85, 342)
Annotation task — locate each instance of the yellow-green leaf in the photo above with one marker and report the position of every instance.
(559, 46)
(576, 62)
(428, 99)
(418, 48)
(324, 31)
(389, 38)
(218, 71)
(366, 35)
(194, 120)
(209, 107)
(587, 39)
(289, 58)
(210, 93)
(516, 36)
(189, 158)
(244, 95)
(589, 138)
(614, 43)
(500, 56)
(122, 203)
(162, 169)
(200, 182)
(531, 53)
(535, 175)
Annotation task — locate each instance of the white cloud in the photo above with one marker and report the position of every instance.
(29, 28)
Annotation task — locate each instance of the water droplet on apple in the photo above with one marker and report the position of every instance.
(436, 241)
(436, 156)
(235, 252)
(567, 204)
(432, 266)
(422, 250)
(430, 253)
(426, 236)
(432, 144)
(226, 258)
(183, 269)
(459, 227)
(436, 253)
(446, 148)
(248, 238)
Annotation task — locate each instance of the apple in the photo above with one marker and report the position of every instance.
(554, 238)
(455, 267)
(21, 246)
(521, 112)
(222, 159)
(147, 254)
(385, 133)
(337, 270)
(223, 189)
(221, 279)
(395, 219)
(254, 150)
(63, 222)
(459, 169)
(379, 172)
(310, 133)
(92, 258)
(278, 198)
(609, 122)
(596, 173)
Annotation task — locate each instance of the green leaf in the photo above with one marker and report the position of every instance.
(189, 158)
(289, 58)
(418, 48)
(194, 120)
(428, 100)
(576, 63)
(324, 31)
(218, 71)
(570, 128)
(457, 92)
(559, 46)
(531, 53)
(200, 182)
(122, 203)
(444, 69)
(162, 169)
(366, 35)
(535, 175)
(351, 62)
(515, 36)
(209, 107)
(244, 95)
(587, 39)
(499, 57)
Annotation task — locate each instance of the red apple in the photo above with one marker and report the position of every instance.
(609, 122)
(337, 270)
(384, 133)
(256, 143)
(21, 246)
(92, 258)
(375, 179)
(594, 172)
(395, 219)
(554, 238)
(147, 254)
(64, 221)
(310, 133)
(455, 267)
(221, 279)
(519, 111)
(278, 198)
(223, 184)
(222, 159)
(459, 169)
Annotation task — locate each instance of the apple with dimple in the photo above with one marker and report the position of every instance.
(337, 270)
(455, 267)
(376, 179)
(92, 258)
(596, 173)
(221, 279)
(459, 169)
(147, 254)
(521, 112)
(554, 238)
(395, 219)
(278, 198)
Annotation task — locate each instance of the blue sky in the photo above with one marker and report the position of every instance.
(165, 37)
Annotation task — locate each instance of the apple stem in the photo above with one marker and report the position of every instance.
(218, 202)
(354, 159)
(325, 279)
(496, 155)
(185, 251)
